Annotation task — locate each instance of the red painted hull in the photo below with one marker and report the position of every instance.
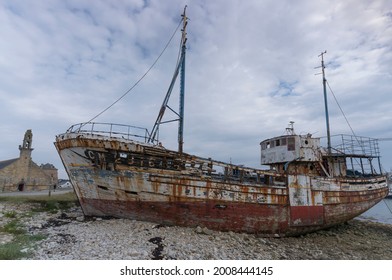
(267, 220)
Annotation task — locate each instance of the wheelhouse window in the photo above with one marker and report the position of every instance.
(290, 144)
(274, 143)
(266, 145)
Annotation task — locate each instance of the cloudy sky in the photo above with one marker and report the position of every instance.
(250, 70)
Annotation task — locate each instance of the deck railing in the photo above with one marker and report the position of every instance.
(353, 145)
(112, 130)
(360, 153)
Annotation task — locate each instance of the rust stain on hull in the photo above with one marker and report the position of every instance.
(264, 219)
(233, 217)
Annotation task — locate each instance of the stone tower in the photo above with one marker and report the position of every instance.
(25, 148)
(25, 160)
(23, 174)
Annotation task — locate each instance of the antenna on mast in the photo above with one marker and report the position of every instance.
(290, 128)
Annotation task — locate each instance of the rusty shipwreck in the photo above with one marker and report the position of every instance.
(124, 171)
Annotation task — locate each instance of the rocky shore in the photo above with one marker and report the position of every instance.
(69, 235)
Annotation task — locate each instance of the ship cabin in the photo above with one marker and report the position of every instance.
(281, 152)
(351, 156)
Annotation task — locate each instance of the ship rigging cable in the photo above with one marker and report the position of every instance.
(344, 115)
(140, 79)
(340, 108)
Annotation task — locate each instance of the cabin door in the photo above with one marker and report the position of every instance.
(306, 208)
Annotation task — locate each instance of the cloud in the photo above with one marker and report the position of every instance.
(250, 70)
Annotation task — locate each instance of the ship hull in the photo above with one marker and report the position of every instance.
(126, 179)
(266, 220)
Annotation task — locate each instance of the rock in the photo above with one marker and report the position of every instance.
(79, 218)
(199, 230)
(5, 238)
(207, 231)
(24, 250)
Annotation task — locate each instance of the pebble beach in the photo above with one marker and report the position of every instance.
(71, 236)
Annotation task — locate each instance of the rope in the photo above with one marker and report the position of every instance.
(344, 115)
(341, 110)
(140, 79)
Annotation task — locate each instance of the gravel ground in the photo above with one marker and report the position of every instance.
(71, 236)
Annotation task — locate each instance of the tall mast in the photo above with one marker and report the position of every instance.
(182, 84)
(326, 102)
(180, 69)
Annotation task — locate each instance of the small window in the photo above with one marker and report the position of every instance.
(277, 142)
(123, 155)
